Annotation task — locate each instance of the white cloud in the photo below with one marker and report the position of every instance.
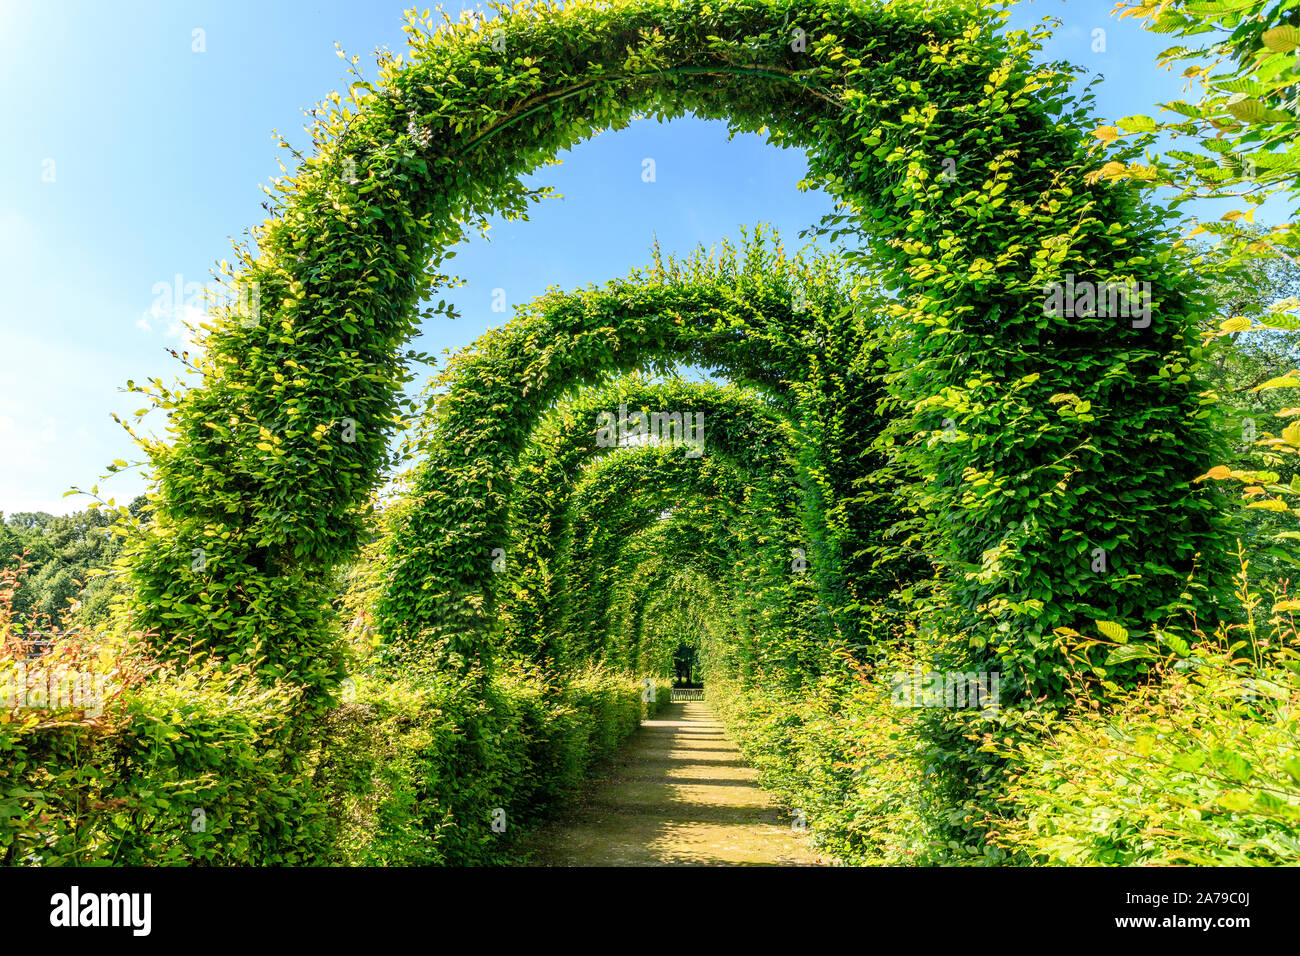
(181, 325)
(18, 244)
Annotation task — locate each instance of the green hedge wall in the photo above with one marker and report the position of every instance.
(418, 766)
(214, 768)
(202, 767)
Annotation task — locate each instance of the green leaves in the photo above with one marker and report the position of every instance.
(1246, 110)
(498, 394)
(1281, 39)
(1137, 124)
(1291, 766)
(989, 521)
(1116, 632)
(1130, 652)
(1283, 381)
(1174, 643)
(1191, 769)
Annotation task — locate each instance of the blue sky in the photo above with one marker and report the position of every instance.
(156, 153)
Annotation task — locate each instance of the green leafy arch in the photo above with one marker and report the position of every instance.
(957, 158)
(679, 558)
(737, 424)
(619, 501)
(754, 313)
(619, 496)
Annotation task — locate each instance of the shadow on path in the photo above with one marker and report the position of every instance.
(678, 795)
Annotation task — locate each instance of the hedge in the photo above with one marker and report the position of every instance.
(214, 767)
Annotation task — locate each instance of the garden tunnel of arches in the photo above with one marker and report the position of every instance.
(853, 372)
(578, 511)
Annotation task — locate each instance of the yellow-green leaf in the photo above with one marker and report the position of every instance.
(1282, 39)
(1285, 381)
(1116, 632)
(1269, 504)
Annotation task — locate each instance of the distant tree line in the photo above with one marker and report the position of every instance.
(69, 557)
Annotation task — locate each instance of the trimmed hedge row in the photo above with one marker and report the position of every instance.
(210, 767)
(1199, 768)
(429, 768)
(200, 767)
(840, 758)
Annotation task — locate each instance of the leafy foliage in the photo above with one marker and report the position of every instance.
(417, 765)
(70, 562)
(1200, 768)
(753, 314)
(211, 767)
(943, 454)
(1242, 55)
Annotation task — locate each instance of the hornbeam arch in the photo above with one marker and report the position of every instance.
(688, 610)
(960, 160)
(662, 554)
(621, 495)
(765, 617)
(736, 424)
(753, 313)
(762, 618)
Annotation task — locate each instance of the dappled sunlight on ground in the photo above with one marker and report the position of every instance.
(679, 795)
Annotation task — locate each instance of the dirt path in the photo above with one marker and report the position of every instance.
(678, 795)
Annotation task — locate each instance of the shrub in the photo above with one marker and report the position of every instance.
(839, 756)
(203, 766)
(211, 768)
(1200, 768)
(422, 763)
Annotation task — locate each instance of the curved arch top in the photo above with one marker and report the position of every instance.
(960, 161)
(730, 422)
